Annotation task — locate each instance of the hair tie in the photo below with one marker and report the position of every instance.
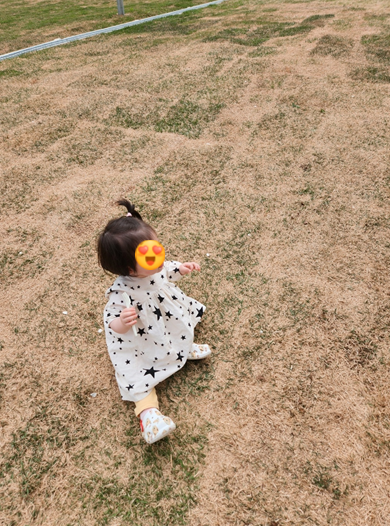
(128, 215)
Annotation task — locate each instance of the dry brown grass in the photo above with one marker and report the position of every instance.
(272, 159)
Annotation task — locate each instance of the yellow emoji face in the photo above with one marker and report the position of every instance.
(150, 254)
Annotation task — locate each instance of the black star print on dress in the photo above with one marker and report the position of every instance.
(200, 312)
(157, 312)
(151, 371)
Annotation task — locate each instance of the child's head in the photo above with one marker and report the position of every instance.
(118, 242)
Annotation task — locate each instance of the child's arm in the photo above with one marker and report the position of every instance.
(186, 268)
(127, 318)
(176, 270)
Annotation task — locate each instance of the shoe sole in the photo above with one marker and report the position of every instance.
(204, 355)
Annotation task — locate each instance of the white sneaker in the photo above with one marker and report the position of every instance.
(155, 426)
(199, 352)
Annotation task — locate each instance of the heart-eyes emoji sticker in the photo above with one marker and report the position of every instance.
(150, 254)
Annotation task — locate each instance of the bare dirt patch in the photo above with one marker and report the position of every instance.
(264, 156)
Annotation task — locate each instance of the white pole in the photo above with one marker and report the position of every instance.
(121, 9)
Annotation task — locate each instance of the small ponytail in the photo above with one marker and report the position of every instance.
(129, 207)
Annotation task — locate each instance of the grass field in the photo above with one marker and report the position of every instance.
(254, 136)
(27, 23)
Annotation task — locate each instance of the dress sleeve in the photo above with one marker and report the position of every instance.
(172, 268)
(113, 308)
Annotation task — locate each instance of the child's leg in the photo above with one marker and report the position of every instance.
(149, 401)
(154, 425)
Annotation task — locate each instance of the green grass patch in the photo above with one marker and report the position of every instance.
(377, 19)
(266, 30)
(359, 349)
(24, 24)
(256, 37)
(263, 51)
(377, 49)
(185, 24)
(184, 117)
(333, 45)
(10, 73)
(377, 46)
(371, 74)
(187, 118)
(317, 20)
(325, 479)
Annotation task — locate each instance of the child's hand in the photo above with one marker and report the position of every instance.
(129, 317)
(186, 268)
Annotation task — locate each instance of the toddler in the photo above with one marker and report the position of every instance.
(153, 337)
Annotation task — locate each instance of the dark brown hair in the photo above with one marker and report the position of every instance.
(117, 244)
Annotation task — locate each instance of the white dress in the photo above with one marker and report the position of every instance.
(165, 330)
